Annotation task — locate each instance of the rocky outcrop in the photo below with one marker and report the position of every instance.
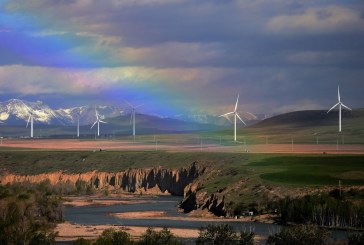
(132, 180)
(193, 199)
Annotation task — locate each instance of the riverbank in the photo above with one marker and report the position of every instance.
(68, 231)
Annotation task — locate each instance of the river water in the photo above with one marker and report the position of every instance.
(100, 215)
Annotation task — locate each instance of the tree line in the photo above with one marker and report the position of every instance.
(334, 209)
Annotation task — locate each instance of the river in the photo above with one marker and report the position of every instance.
(100, 215)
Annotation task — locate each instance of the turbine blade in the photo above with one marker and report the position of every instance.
(223, 115)
(236, 105)
(240, 118)
(94, 124)
(333, 107)
(228, 119)
(102, 121)
(28, 121)
(29, 110)
(346, 107)
(338, 93)
(138, 106)
(128, 103)
(97, 114)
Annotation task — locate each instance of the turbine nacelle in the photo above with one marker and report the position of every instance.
(132, 115)
(236, 115)
(340, 105)
(98, 121)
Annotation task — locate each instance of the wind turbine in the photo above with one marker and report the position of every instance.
(31, 120)
(132, 117)
(236, 115)
(340, 104)
(98, 121)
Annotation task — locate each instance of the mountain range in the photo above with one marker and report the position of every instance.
(17, 112)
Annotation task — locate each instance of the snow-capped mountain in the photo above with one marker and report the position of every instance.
(17, 112)
(86, 114)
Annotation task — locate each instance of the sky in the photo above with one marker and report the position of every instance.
(184, 56)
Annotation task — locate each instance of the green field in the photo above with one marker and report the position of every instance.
(313, 170)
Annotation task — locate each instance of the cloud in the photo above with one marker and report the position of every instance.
(320, 20)
(279, 55)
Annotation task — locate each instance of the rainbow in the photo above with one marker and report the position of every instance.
(83, 65)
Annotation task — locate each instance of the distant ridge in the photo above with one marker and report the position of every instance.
(310, 118)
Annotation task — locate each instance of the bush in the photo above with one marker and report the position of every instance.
(246, 238)
(152, 237)
(356, 238)
(299, 235)
(112, 237)
(222, 234)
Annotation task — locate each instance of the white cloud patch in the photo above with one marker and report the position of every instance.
(329, 19)
(173, 54)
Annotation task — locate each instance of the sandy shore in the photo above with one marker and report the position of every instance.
(140, 215)
(206, 218)
(96, 202)
(70, 232)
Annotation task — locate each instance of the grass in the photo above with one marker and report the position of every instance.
(228, 167)
(313, 170)
(35, 162)
(248, 178)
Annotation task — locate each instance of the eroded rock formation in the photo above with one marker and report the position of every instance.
(195, 199)
(132, 180)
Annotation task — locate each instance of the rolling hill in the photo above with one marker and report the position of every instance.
(309, 127)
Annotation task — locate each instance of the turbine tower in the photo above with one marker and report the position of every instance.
(132, 116)
(98, 121)
(340, 104)
(236, 115)
(31, 120)
(78, 127)
(31, 125)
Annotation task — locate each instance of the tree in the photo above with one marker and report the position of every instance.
(222, 234)
(112, 237)
(299, 235)
(163, 237)
(246, 238)
(356, 238)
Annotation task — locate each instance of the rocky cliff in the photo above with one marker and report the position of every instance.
(181, 182)
(194, 199)
(158, 179)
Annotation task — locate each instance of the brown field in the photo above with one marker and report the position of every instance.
(111, 145)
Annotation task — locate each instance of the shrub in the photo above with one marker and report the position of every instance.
(163, 237)
(356, 238)
(222, 234)
(246, 238)
(112, 237)
(299, 235)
